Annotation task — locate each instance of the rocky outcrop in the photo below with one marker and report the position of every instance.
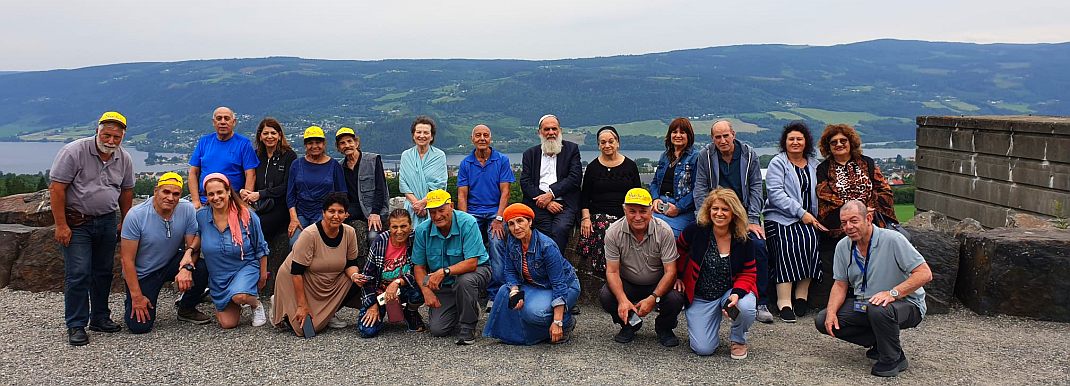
(36, 261)
(1017, 272)
(939, 240)
(30, 209)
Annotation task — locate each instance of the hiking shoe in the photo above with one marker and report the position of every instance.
(105, 325)
(873, 354)
(466, 337)
(890, 369)
(192, 315)
(414, 321)
(567, 332)
(259, 315)
(337, 322)
(77, 336)
(801, 306)
(738, 350)
(667, 338)
(787, 315)
(764, 315)
(626, 334)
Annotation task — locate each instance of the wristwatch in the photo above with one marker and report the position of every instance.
(499, 218)
(446, 271)
(189, 267)
(894, 293)
(559, 323)
(657, 299)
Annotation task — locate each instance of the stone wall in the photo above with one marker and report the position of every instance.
(991, 168)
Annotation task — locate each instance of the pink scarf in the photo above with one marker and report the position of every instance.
(237, 214)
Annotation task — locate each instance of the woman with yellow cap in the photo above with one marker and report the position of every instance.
(311, 178)
(540, 286)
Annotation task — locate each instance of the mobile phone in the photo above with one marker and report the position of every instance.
(382, 297)
(732, 311)
(634, 319)
(516, 298)
(663, 207)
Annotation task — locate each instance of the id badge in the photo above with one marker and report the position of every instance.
(860, 305)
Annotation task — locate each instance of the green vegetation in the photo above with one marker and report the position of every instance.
(1015, 107)
(827, 116)
(11, 183)
(784, 115)
(961, 106)
(905, 212)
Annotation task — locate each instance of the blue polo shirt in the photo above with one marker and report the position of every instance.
(482, 181)
(231, 157)
(158, 240)
(432, 249)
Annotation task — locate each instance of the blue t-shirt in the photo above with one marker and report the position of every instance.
(231, 157)
(158, 239)
(432, 249)
(482, 181)
(308, 183)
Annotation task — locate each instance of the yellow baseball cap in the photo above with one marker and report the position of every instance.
(170, 178)
(638, 196)
(314, 132)
(113, 116)
(437, 198)
(344, 131)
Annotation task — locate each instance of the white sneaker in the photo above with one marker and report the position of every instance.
(337, 322)
(259, 316)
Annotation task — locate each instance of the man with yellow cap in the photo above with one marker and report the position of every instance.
(155, 249)
(451, 268)
(91, 179)
(640, 271)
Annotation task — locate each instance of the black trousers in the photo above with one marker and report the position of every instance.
(668, 309)
(878, 326)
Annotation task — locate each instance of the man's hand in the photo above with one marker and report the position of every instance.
(63, 234)
(371, 316)
(831, 323)
(430, 299)
(757, 229)
(555, 207)
(497, 229)
(679, 285)
(544, 199)
(646, 306)
(140, 306)
(375, 223)
(196, 203)
(434, 280)
(623, 308)
(184, 279)
(882, 299)
(556, 333)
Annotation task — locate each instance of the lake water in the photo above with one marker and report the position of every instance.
(33, 157)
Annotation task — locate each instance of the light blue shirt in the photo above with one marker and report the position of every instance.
(891, 258)
(158, 239)
(432, 249)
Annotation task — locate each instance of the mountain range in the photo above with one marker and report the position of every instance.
(880, 86)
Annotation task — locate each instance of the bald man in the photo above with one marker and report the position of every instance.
(224, 152)
(483, 179)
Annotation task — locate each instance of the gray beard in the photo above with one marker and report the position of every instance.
(104, 149)
(552, 147)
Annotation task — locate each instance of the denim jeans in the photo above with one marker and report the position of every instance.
(297, 232)
(154, 281)
(704, 319)
(495, 260)
(410, 297)
(88, 262)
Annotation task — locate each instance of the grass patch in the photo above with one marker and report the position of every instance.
(393, 96)
(1015, 107)
(905, 212)
(657, 128)
(785, 115)
(446, 99)
(934, 105)
(827, 116)
(961, 106)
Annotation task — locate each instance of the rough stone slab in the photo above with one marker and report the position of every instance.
(1016, 123)
(961, 208)
(1020, 197)
(1017, 272)
(30, 209)
(39, 266)
(12, 236)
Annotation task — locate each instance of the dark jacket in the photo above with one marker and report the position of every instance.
(707, 167)
(569, 175)
(271, 177)
(370, 192)
(692, 245)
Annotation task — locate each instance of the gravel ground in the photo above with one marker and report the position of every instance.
(958, 348)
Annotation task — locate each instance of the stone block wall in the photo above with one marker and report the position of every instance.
(990, 168)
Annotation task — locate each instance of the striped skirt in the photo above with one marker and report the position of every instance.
(792, 251)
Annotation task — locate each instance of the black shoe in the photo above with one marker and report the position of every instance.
(466, 337)
(787, 314)
(800, 306)
(566, 333)
(667, 338)
(414, 321)
(626, 334)
(575, 310)
(105, 325)
(891, 369)
(873, 354)
(77, 336)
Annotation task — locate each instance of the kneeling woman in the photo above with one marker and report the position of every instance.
(537, 273)
(389, 273)
(717, 272)
(234, 251)
(320, 275)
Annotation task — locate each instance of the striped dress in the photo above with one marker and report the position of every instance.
(793, 247)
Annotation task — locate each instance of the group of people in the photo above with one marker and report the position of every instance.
(692, 239)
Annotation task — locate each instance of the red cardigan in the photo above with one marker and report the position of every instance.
(692, 245)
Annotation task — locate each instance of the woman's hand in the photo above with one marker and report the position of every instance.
(656, 205)
(556, 333)
(391, 293)
(809, 219)
(358, 279)
(586, 227)
(294, 224)
(300, 315)
(419, 205)
(371, 316)
(375, 223)
(732, 300)
(264, 274)
(673, 211)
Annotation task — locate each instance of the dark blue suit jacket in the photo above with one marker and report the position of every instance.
(569, 175)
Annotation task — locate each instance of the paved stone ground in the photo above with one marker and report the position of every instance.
(958, 348)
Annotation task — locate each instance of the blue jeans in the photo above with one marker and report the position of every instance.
(154, 281)
(297, 232)
(410, 297)
(531, 324)
(704, 319)
(87, 263)
(497, 265)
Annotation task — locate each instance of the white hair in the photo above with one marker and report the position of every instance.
(547, 116)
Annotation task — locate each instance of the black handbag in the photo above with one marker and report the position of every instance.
(263, 205)
(891, 224)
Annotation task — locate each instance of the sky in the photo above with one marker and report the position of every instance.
(55, 34)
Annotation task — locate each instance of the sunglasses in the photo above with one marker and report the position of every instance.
(838, 141)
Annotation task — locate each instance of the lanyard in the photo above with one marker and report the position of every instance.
(862, 266)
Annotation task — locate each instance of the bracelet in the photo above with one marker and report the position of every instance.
(585, 218)
(354, 276)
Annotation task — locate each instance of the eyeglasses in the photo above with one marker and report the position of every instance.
(167, 225)
(838, 141)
